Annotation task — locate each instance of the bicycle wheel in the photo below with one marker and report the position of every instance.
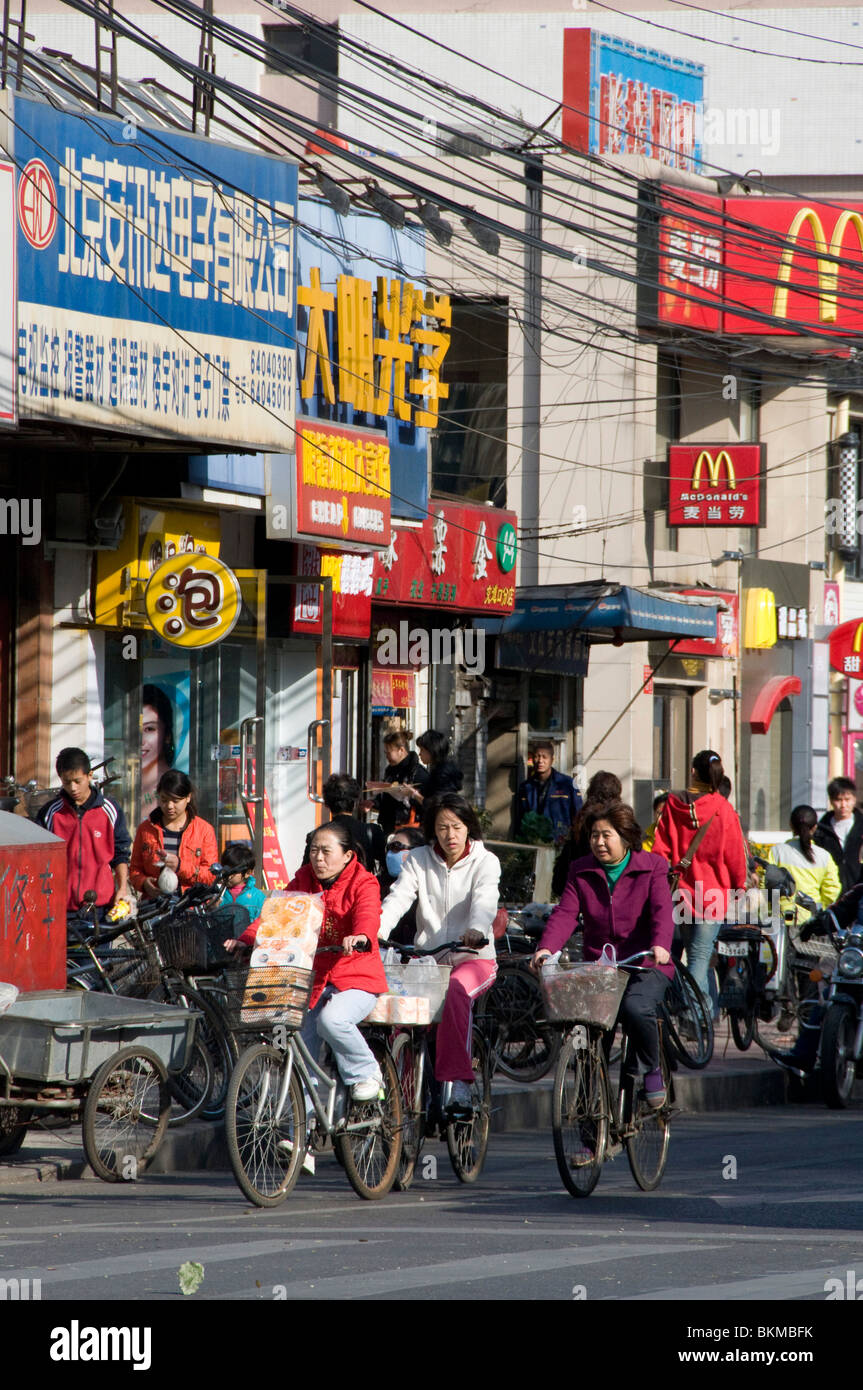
(838, 1067)
(742, 1017)
(579, 1113)
(265, 1126)
(370, 1154)
(125, 1114)
(795, 1004)
(191, 1089)
(222, 1047)
(649, 1132)
(407, 1060)
(13, 1130)
(512, 1016)
(688, 1021)
(467, 1140)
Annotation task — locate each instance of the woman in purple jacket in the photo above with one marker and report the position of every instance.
(620, 895)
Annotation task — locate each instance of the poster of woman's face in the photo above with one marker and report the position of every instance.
(164, 734)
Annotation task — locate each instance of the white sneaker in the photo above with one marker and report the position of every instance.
(286, 1146)
(367, 1089)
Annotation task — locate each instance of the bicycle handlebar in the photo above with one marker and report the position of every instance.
(409, 950)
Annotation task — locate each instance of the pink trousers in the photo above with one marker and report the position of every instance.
(466, 983)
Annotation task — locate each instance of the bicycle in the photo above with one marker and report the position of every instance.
(592, 1122)
(265, 1113)
(688, 1020)
(521, 1042)
(425, 1101)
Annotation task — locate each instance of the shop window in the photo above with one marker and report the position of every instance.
(545, 705)
(672, 737)
(468, 455)
(316, 47)
(770, 773)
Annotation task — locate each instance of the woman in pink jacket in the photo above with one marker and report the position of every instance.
(718, 866)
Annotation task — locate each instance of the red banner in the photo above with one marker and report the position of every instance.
(462, 558)
(846, 648)
(715, 484)
(275, 869)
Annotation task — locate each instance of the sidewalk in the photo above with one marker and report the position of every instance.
(733, 1081)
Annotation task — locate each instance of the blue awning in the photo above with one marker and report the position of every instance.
(611, 612)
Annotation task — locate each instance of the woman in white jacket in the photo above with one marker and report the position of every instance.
(454, 881)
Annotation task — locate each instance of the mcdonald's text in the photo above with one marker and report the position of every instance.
(714, 484)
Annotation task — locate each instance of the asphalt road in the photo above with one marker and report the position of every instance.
(764, 1204)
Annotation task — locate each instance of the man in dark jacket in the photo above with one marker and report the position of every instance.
(341, 795)
(840, 831)
(98, 843)
(548, 793)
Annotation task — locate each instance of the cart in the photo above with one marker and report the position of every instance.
(104, 1057)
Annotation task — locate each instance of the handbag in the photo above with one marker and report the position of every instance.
(685, 862)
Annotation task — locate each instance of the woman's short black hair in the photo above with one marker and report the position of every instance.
(411, 834)
(435, 744)
(176, 783)
(341, 793)
(456, 803)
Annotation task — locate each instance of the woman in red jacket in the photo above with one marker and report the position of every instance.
(718, 866)
(345, 985)
(174, 837)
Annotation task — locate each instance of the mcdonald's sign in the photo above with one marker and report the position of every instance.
(715, 484)
(801, 286)
(846, 649)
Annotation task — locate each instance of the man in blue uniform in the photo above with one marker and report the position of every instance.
(548, 792)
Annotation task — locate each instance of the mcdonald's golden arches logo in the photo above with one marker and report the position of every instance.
(827, 269)
(713, 464)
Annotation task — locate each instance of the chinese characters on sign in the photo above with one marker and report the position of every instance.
(343, 483)
(792, 622)
(352, 588)
(846, 648)
(391, 346)
(689, 269)
(715, 484)
(725, 643)
(193, 600)
(462, 557)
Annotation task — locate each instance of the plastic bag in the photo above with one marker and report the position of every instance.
(290, 923)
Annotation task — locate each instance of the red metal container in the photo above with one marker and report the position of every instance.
(32, 905)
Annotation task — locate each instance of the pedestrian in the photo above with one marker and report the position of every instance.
(602, 788)
(341, 795)
(620, 895)
(699, 836)
(454, 881)
(442, 773)
(345, 983)
(241, 889)
(173, 837)
(840, 831)
(97, 838)
(399, 846)
(813, 869)
(658, 802)
(403, 767)
(548, 793)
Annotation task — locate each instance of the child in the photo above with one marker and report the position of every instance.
(241, 889)
(95, 831)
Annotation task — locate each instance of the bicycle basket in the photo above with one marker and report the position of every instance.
(267, 995)
(589, 992)
(183, 943)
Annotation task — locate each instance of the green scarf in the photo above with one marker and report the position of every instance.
(613, 871)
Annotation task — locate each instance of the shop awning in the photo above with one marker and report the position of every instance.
(768, 700)
(610, 613)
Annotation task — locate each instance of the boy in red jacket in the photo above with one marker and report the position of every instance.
(98, 843)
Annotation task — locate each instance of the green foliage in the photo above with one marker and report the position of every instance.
(536, 830)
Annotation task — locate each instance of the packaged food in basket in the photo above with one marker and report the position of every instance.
(276, 994)
(399, 1008)
(589, 992)
(291, 921)
(266, 955)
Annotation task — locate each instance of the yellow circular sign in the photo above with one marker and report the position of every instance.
(193, 600)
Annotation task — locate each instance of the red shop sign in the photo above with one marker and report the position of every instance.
(690, 260)
(462, 558)
(352, 589)
(715, 484)
(393, 689)
(846, 648)
(343, 483)
(726, 642)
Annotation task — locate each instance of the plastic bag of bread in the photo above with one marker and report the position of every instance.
(291, 922)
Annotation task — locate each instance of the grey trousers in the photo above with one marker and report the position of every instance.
(334, 1020)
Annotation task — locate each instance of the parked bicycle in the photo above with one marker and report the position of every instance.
(593, 1117)
(426, 1102)
(521, 1042)
(266, 1114)
(688, 1021)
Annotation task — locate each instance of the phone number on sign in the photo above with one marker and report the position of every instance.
(271, 378)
